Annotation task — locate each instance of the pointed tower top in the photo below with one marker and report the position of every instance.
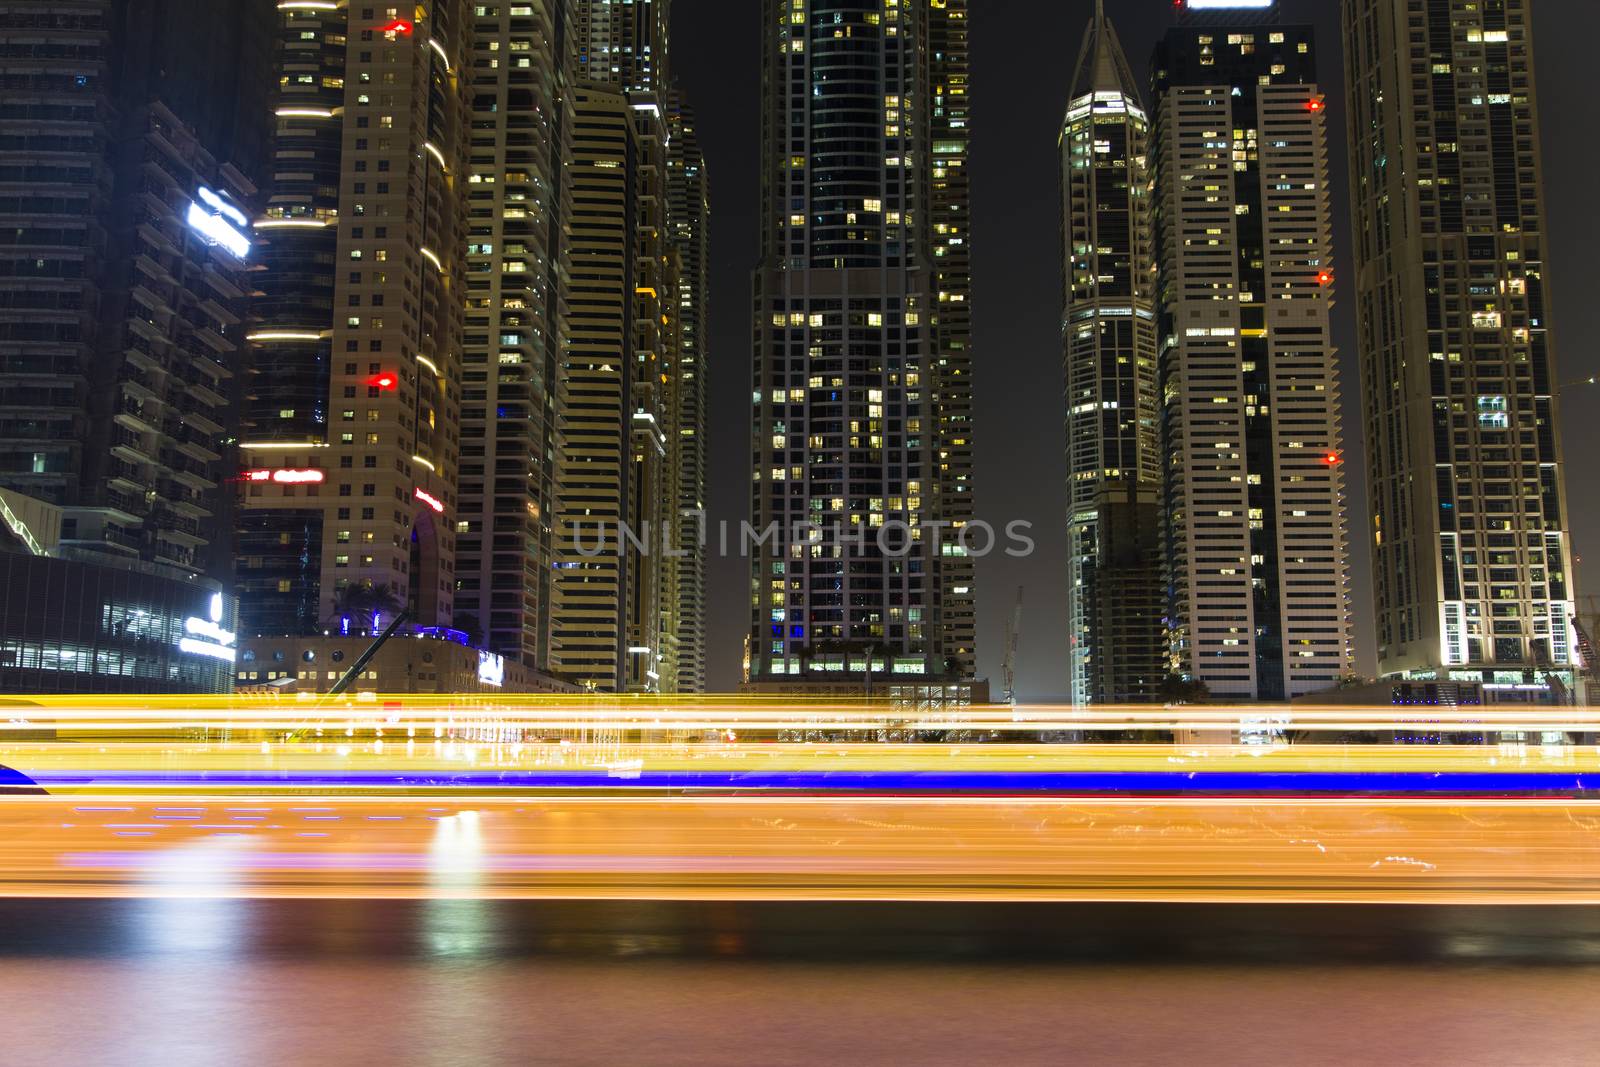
(1102, 64)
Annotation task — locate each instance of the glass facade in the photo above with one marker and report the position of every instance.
(1472, 555)
(70, 626)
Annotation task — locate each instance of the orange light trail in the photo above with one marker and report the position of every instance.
(744, 848)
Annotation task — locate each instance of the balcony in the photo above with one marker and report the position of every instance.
(133, 417)
(202, 390)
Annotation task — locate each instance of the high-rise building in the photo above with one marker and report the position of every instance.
(129, 143)
(653, 499)
(596, 567)
(1117, 641)
(624, 43)
(690, 215)
(514, 329)
(845, 579)
(622, 48)
(351, 410)
(1254, 489)
(950, 218)
(1472, 554)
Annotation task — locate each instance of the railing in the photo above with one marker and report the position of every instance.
(20, 528)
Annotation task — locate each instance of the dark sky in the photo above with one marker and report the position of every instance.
(1023, 53)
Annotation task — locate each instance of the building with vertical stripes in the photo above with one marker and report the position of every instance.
(596, 569)
(1254, 505)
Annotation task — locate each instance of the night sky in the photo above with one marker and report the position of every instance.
(1023, 54)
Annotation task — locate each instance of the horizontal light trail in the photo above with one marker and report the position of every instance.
(93, 766)
(813, 848)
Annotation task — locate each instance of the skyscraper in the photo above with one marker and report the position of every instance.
(351, 411)
(1254, 501)
(950, 121)
(1472, 554)
(690, 215)
(623, 48)
(843, 417)
(515, 327)
(129, 141)
(1114, 599)
(596, 568)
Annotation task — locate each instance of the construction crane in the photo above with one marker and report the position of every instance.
(1009, 670)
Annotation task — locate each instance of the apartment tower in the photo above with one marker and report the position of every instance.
(129, 141)
(950, 219)
(1472, 552)
(621, 49)
(846, 577)
(352, 407)
(689, 215)
(1117, 642)
(1254, 504)
(515, 328)
(596, 569)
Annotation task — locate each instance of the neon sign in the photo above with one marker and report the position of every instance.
(429, 499)
(285, 477)
(432, 501)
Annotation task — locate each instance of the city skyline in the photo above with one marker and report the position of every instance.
(850, 531)
(1023, 90)
(407, 370)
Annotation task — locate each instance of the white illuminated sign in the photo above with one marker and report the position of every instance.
(206, 636)
(218, 224)
(491, 669)
(1223, 5)
(222, 207)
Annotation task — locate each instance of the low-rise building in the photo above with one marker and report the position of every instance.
(427, 661)
(73, 621)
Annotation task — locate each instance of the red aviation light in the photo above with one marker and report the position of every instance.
(1316, 103)
(1333, 459)
(385, 381)
(397, 26)
(429, 499)
(1325, 278)
(285, 476)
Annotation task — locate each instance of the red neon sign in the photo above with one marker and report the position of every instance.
(285, 476)
(397, 26)
(429, 499)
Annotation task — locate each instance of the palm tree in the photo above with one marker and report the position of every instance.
(361, 601)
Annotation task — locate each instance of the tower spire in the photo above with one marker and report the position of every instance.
(1102, 64)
